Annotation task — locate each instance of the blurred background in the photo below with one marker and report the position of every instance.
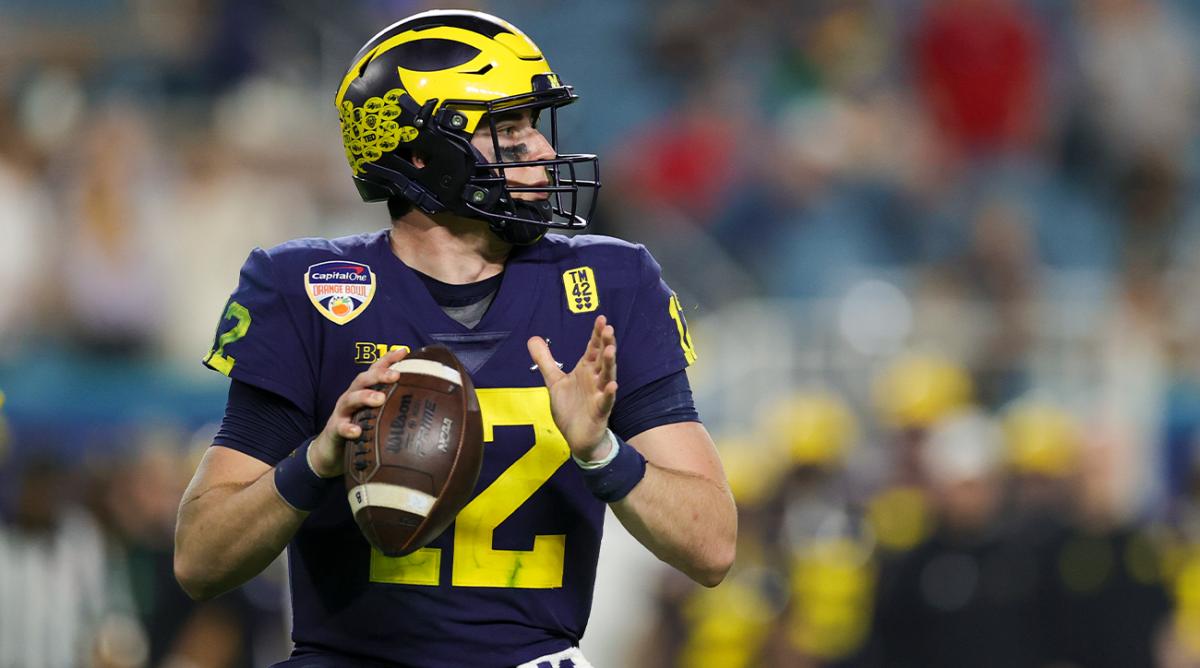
(934, 254)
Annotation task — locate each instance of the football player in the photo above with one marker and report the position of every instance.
(450, 117)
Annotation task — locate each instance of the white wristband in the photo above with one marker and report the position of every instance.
(612, 453)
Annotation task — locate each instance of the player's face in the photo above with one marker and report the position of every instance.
(519, 140)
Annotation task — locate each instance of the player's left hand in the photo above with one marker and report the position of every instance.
(581, 401)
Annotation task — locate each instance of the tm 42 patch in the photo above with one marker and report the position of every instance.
(580, 284)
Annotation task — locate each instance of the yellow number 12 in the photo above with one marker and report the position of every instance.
(476, 562)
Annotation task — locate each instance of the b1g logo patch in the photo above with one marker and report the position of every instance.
(366, 352)
(580, 284)
(340, 290)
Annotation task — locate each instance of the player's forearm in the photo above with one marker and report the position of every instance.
(686, 520)
(229, 534)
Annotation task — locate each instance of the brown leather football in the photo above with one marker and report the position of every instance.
(418, 459)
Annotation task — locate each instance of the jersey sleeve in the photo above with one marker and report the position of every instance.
(655, 341)
(262, 424)
(257, 340)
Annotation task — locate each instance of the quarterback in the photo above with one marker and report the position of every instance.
(577, 347)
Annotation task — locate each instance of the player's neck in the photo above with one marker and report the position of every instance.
(452, 250)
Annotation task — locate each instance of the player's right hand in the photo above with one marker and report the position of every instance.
(326, 454)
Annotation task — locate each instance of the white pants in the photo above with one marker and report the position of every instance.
(556, 660)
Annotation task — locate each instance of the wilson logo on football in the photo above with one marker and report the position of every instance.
(340, 290)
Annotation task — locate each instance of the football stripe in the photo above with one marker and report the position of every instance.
(428, 368)
(397, 497)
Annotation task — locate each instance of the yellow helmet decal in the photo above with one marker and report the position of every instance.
(371, 130)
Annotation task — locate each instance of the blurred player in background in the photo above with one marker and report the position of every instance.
(800, 593)
(450, 116)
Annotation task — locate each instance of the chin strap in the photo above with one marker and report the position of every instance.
(522, 233)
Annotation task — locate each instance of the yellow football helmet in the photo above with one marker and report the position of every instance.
(916, 390)
(813, 427)
(1041, 438)
(422, 86)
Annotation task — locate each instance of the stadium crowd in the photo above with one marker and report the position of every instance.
(937, 255)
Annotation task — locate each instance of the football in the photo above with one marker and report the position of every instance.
(416, 464)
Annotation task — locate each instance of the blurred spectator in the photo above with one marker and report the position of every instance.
(690, 160)
(913, 392)
(964, 596)
(1132, 369)
(54, 594)
(1180, 642)
(980, 67)
(730, 626)
(26, 218)
(1043, 448)
(996, 272)
(819, 536)
(1107, 595)
(114, 265)
(843, 48)
(136, 498)
(1133, 52)
(1139, 70)
(801, 589)
(689, 40)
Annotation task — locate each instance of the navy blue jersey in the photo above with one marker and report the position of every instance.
(512, 578)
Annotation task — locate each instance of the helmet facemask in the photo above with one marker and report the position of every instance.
(572, 180)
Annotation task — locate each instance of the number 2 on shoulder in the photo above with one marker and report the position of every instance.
(475, 562)
(217, 358)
